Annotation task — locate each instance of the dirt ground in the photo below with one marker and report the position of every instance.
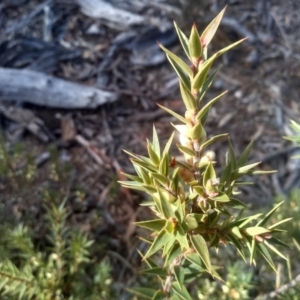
(262, 77)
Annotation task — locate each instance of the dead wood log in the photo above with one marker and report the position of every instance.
(41, 89)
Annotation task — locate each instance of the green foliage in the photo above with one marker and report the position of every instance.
(57, 271)
(195, 208)
(43, 257)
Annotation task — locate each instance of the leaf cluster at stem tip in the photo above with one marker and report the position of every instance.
(195, 208)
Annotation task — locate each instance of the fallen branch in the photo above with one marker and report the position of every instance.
(281, 290)
(41, 89)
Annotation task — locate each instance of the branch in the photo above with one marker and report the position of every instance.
(281, 290)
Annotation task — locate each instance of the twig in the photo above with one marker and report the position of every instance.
(281, 290)
(27, 19)
(284, 36)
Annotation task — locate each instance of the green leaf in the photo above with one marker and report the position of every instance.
(152, 154)
(180, 235)
(159, 295)
(155, 142)
(155, 225)
(245, 169)
(236, 231)
(169, 143)
(207, 106)
(164, 164)
(195, 47)
(185, 68)
(158, 271)
(158, 243)
(193, 220)
(211, 29)
(160, 178)
(207, 84)
(201, 248)
(232, 157)
(213, 140)
(241, 223)
(245, 155)
(143, 164)
(279, 223)
(180, 73)
(238, 245)
(173, 254)
(177, 116)
(265, 253)
(179, 275)
(166, 206)
(186, 150)
(132, 177)
(222, 197)
(168, 246)
(195, 259)
(132, 185)
(261, 172)
(209, 174)
(270, 246)
(181, 292)
(183, 40)
(146, 293)
(187, 97)
(269, 215)
(255, 230)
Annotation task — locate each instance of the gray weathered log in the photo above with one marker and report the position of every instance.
(41, 89)
(116, 17)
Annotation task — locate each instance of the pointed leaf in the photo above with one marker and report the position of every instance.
(180, 73)
(160, 178)
(213, 140)
(181, 238)
(185, 68)
(186, 150)
(265, 253)
(241, 223)
(155, 142)
(155, 225)
(245, 169)
(181, 292)
(183, 40)
(245, 155)
(164, 164)
(158, 243)
(201, 248)
(177, 116)
(207, 106)
(256, 230)
(222, 197)
(155, 271)
(211, 29)
(169, 143)
(279, 223)
(166, 206)
(187, 97)
(274, 249)
(269, 215)
(179, 275)
(238, 245)
(159, 295)
(152, 154)
(146, 293)
(201, 76)
(207, 84)
(195, 47)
